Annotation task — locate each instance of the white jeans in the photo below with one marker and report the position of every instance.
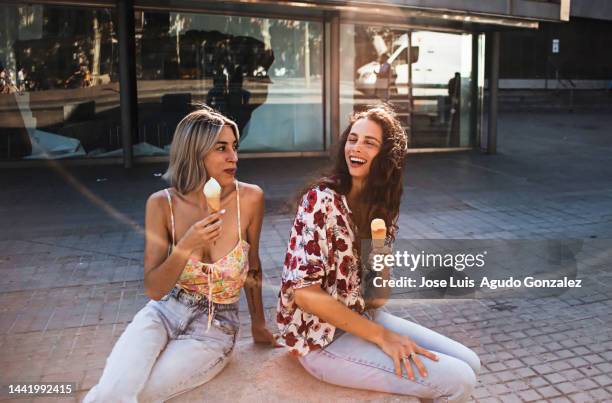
(167, 351)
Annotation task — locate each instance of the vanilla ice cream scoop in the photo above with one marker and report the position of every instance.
(379, 232)
(212, 191)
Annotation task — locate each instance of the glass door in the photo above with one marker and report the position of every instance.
(424, 75)
(441, 88)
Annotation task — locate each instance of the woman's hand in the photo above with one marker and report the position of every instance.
(261, 334)
(402, 349)
(203, 232)
(380, 250)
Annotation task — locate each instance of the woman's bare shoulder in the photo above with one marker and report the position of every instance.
(251, 200)
(250, 191)
(158, 200)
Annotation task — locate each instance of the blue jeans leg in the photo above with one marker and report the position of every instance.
(353, 362)
(428, 338)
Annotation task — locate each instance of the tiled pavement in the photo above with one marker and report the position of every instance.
(71, 275)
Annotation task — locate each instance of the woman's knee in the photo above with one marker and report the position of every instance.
(402, 326)
(460, 384)
(472, 359)
(468, 356)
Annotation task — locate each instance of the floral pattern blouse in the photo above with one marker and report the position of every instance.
(321, 250)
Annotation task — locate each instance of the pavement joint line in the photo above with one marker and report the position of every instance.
(127, 282)
(119, 306)
(78, 332)
(49, 320)
(21, 312)
(487, 169)
(82, 250)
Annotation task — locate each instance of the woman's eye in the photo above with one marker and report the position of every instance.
(222, 148)
(352, 140)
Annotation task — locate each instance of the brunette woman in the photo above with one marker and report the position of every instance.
(324, 314)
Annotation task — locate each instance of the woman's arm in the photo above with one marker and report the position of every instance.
(314, 300)
(161, 271)
(252, 286)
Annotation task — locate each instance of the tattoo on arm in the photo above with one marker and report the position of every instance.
(254, 280)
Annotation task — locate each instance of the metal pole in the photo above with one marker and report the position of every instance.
(335, 77)
(493, 93)
(127, 79)
(306, 54)
(474, 93)
(410, 91)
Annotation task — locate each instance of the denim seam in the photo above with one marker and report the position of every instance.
(231, 349)
(386, 369)
(217, 362)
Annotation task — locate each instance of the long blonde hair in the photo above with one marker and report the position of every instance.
(194, 137)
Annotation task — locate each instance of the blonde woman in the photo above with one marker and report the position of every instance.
(195, 263)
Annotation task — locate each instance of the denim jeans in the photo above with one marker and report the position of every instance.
(356, 363)
(166, 350)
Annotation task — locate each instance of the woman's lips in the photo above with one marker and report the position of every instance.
(230, 171)
(355, 165)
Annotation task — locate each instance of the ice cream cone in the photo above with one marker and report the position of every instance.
(379, 232)
(212, 191)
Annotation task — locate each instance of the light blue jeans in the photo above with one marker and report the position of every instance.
(167, 350)
(356, 363)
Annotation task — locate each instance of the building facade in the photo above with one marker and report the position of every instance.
(564, 66)
(109, 80)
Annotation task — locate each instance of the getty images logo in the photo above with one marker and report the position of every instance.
(412, 261)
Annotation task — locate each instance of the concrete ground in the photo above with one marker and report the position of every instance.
(71, 274)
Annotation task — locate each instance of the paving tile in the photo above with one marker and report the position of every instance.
(567, 387)
(581, 398)
(603, 380)
(548, 392)
(510, 398)
(529, 395)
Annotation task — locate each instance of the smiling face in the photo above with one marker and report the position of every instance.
(362, 146)
(221, 161)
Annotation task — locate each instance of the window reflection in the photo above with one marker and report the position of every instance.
(59, 90)
(424, 75)
(58, 82)
(264, 73)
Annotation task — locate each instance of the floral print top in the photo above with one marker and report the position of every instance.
(219, 282)
(322, 251)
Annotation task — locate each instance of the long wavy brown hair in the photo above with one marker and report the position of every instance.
(382, 192)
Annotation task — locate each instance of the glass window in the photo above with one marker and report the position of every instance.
(59, 90)
(264, 73)
(425, 75)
